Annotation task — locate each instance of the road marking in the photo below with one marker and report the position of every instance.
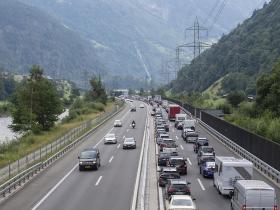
(127, 130)
(68, 174)
(177, 137)
(123, 137)
(173, 130)
(98, 181)
(54, 188)
(181, 147)
(118, 146)
(189, 161)
(201, 185)
(111, 159)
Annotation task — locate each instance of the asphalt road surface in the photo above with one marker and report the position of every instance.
(63, 187)
(202, 189)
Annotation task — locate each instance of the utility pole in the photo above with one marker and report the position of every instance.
(197, 45)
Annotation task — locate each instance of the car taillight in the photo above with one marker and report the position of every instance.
(244, 207)
(171, 189)
(275, 208)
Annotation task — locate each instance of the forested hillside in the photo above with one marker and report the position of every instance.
(29, 36)
(240, 57)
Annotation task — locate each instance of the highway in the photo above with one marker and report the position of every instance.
(63, 187)
(202, 189)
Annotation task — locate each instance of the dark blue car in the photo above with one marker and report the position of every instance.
(207, 169)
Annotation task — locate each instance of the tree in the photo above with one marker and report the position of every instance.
(268, 91)
(97, 92)
(36, 104)
(142, 92)
(236, 97)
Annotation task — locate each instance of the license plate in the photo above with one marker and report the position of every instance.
(180, 193)
(87, 166)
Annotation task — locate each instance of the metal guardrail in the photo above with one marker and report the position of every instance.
(266, 169)
(27, 174)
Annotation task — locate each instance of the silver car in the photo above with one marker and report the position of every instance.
(118, 123)
(110, 139)
(129, 143)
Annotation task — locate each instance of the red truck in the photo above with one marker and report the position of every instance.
(173, 110)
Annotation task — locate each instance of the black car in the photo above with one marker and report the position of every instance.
(200, 142)
(89, 159)
(163, 158)
(133, 109)
(164, 177)
(180, 164)
(177, 187)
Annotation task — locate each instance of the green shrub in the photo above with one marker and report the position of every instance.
(226, 107)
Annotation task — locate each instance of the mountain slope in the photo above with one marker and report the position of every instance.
(28, 36)
(249, 50)
(134, 36)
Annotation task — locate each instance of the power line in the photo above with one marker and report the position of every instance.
(220, 11)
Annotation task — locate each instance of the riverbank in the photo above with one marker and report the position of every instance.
(18, 148)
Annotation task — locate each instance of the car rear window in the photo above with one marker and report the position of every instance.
(177, 161)
(182, 202)
(208, 150)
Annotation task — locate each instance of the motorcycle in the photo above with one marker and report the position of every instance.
(133, 125)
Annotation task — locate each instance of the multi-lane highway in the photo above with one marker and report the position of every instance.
(63, 186)
(202, 189)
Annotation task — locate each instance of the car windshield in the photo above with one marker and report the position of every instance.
(129, 140)
(182, 202)
(117, 121)
(88, 154)
(110, 135)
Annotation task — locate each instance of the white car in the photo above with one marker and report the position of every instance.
(110, 139)
(142, 106)
(118, 123)
(182, 202)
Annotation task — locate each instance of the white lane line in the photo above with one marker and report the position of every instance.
(201, 185)
(118, 146)
(68, 174)
(181, 147)
(111, 159)
(177, 137)
(53, 189)
(98, 181)
(127, 130)
(189, 161)
(173, 130)
(123, 137)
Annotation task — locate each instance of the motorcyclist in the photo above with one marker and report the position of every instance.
(133, 123)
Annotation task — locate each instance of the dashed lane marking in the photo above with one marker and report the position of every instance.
(189, 161)
(111, 159)
(98, 181)
(200, 183)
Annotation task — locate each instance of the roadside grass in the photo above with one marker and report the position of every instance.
(31, 142)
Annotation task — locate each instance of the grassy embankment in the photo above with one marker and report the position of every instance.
(31, 142)
(245, 115)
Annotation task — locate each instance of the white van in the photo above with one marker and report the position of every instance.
(228, 170)
(189, 124)
(180, 117)
(253, 195)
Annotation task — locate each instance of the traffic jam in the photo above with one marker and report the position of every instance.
(232, 176)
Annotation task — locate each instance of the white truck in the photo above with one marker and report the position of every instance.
(164, 104)
(228, 170)
(253, 195)
(180, 117)
(189, 124)
(157, 98)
